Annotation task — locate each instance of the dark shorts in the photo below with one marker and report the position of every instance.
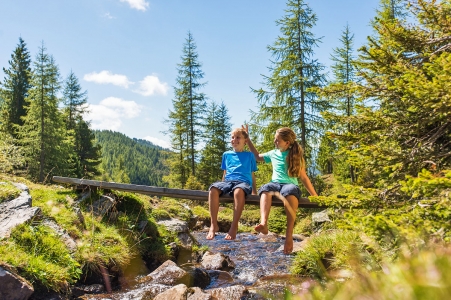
(285, 189)
(227, 187)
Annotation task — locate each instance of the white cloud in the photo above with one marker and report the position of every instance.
(137, 4)
(108, 114)
(151, 85)
(158, 142)
(108, 16)
(105, 77)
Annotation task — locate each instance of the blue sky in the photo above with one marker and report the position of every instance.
(125, 52)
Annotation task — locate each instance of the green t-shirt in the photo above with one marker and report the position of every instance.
(279, 166)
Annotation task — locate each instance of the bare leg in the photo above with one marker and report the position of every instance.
(293, 202)
(239, 198)
(265, 207)
(213, 203)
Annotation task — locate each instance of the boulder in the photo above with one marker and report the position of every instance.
(168, 273)
(13, 287)
(216, 261)
(16, 212)
(103, 206)
(235, 292)
(178, 292)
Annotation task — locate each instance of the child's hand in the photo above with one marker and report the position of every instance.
(245, 128)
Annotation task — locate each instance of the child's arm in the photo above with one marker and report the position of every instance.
(306, 182)
(251, 146)
(254, 185)
(223, 175)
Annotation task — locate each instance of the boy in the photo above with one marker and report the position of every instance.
(238, 181)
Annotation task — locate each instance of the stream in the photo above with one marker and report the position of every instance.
(260, 265)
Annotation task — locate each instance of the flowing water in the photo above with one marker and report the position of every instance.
(260, 265)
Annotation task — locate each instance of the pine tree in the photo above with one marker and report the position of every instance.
(15, 89)
(74, 100)
(288, 101)
(43, 134)
(217, 137)
(185, 120)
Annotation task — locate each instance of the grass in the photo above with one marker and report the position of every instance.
(422, 274)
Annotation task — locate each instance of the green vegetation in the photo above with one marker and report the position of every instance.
(129, 160)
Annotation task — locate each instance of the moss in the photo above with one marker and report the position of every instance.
(8, 191)
(41, 257)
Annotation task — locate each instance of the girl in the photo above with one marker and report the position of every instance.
(288, 165)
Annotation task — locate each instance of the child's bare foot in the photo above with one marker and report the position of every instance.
(288, 247)
(231, 235)
(261, 228)
(212, 232)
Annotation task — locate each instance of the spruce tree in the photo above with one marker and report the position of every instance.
(43, 133)
(74, 100)
(405, 71)
(185, 120)
(340, 93)
(287, 99)
(217, 141)
(14, 89)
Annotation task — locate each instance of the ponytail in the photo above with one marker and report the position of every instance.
(295, 157)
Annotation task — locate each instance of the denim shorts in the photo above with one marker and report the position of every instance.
(227, 187)
(285, 189)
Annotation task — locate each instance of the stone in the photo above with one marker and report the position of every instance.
(235, 292)
(197, 294)
(175, 225)
(168, 273)
(103, 206)
(68, 241)
(216, 261)
(13, 286)
(178, 292)
(16, 212)
(320, 217)
(297, 246)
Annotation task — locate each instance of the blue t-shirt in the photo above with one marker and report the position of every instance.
(279, 166)
(239, 166)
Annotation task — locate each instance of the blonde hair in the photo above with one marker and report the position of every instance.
(295, 158)
(242, 131)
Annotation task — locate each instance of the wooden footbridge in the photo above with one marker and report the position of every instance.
(167, 192)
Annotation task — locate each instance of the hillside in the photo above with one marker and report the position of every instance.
(142, 161)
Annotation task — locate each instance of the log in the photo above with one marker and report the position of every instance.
(168, 192)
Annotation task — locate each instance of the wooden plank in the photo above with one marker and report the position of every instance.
(173, 193)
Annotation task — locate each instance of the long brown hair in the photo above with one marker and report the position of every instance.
(295, 158)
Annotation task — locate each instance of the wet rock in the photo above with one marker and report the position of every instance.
(235, 292)
(80, 290)
(216, 261)
(320, 217)
(168, 273)
(196, 277)
(13, 286)
(175, 225)
(145, 292)
(16, 212)
(197, 294)
(103, 205)
(178, 292)
(186, 240)
(220, 278)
